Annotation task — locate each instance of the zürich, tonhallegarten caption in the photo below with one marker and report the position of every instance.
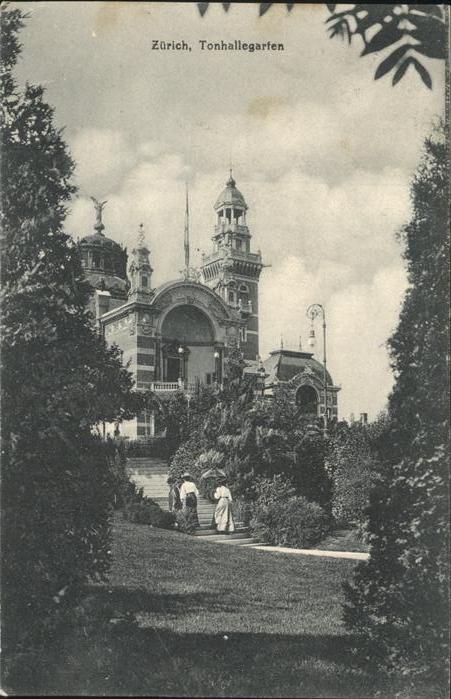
(204, 45)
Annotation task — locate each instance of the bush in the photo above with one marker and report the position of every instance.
(295, 523)
(186, 456)
(272, 490)
(146, 511)
(352, 485)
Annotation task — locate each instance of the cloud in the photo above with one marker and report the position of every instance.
(102, 156)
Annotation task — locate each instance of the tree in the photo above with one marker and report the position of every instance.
(398, 602)
(59, 379)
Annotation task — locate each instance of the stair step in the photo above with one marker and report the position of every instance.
(213, 532)
(227, 537)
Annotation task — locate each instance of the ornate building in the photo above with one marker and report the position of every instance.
(304, 375)
(179, 334)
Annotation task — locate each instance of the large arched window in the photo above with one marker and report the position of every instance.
(307, 400)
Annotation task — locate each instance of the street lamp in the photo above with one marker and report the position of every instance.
(313, 311)
(180, 352)
(217, 365)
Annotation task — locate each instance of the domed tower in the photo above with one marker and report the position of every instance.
(105, 265)
(232, 270)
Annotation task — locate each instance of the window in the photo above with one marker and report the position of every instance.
(208, 379)
(144, 281)
(239, 244)
(243, 334)
(232, 297)
(244, 289)
(96, 260)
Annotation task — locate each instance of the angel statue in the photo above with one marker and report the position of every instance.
(99, 206)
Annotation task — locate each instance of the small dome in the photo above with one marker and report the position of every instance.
(230, 196)
(98, 240)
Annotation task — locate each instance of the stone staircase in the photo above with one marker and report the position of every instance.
(150, 474)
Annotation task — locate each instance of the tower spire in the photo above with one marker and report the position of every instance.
(186, 241)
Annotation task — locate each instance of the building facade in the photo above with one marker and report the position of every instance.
(178, 335)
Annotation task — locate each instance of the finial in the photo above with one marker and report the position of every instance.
(281, 341)
(300, 343)
(99, 206)
(231, 181)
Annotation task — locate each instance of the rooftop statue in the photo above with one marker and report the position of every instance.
(99, 206)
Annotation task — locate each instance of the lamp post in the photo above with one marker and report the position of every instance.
(180, 352)
(217, 367)
(313, 311)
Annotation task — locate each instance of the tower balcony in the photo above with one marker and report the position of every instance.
(219, 254)
(231, 227)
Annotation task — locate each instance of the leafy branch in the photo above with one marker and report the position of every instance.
(411, 29)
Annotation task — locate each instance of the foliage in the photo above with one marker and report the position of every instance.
(354, 472)
(412, 29)
(147, 511)
(184, 415)
(273, 490)
(59, 379)
(263, 7)
(409, 29)
(185, 458)
(295, 523)
(398, 602)
(123, 487)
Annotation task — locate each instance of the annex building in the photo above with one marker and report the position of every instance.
(178, 335)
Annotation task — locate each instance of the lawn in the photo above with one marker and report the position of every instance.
(182, 617)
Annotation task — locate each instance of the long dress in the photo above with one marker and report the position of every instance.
(188, 495)
(223, 513)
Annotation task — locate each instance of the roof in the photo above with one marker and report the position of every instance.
(99, 240)
(284, 365)
(230, 195)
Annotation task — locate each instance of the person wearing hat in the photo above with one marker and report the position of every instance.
(188, 496)
(223, 513)
(174, 501)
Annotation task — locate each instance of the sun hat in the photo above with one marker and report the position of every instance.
(186, 475)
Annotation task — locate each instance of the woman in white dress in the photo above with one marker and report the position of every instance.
(223, 513)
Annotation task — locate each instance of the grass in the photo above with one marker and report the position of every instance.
(182, 617)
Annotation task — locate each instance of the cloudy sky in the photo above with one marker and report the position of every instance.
(322, 153)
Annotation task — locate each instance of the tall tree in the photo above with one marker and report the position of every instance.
(399, 600)
(59, 380)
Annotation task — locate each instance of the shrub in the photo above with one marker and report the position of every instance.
(295, 523)
(146, 511)
(352, 485)
(186, 456)
(273, 490)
